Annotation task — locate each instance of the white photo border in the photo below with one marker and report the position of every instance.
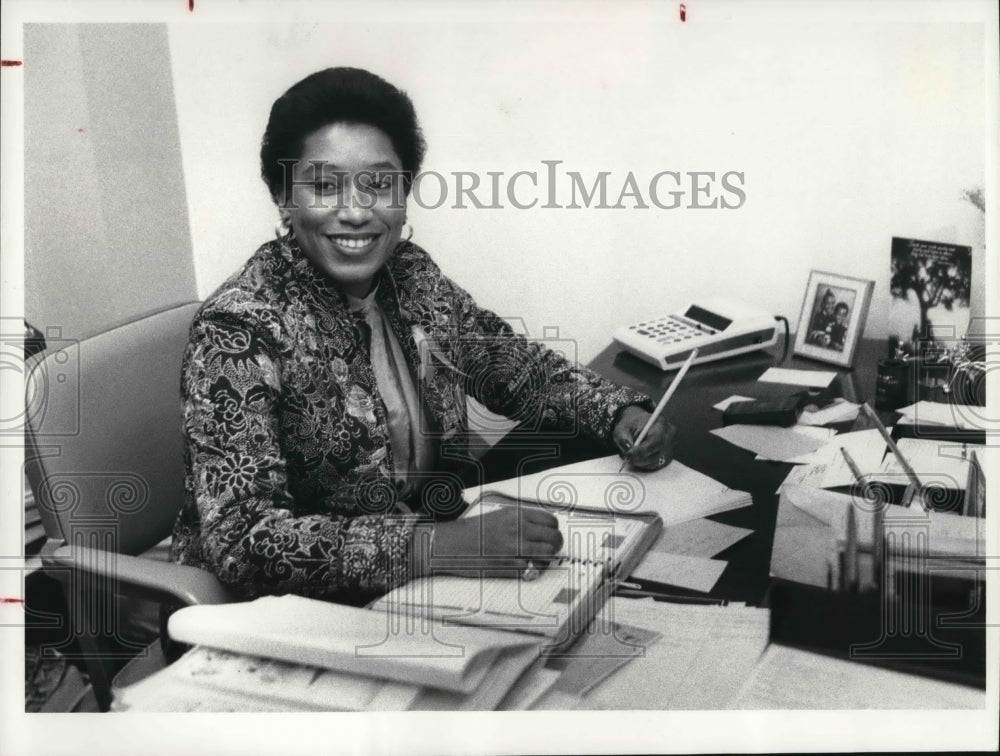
(862, 289)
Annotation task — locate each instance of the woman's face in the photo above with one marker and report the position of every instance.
(347, 219)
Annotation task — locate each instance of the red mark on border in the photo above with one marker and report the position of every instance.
(191, 5)
(6, 63)
(6, 600)
(684, 13)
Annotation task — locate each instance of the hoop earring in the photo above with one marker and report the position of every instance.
(281, 229)
(410, 235)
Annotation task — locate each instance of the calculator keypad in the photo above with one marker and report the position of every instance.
(667, 330)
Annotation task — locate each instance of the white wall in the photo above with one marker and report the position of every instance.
(848, 131)
(105, 214)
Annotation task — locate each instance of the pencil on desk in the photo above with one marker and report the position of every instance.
(855, 470)
(910, 472)
(663, 403)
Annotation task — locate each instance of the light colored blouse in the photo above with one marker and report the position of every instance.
(411, 450)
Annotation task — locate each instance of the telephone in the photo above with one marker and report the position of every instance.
(719, 327)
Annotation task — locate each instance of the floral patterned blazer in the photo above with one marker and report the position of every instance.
(288, 486)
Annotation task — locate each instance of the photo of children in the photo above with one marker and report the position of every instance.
(831, 317)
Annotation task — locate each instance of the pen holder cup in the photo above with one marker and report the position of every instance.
(894, 384)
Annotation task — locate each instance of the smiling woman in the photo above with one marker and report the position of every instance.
(325, 382)
(345, 231)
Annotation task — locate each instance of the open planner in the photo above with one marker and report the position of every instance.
(561, 602)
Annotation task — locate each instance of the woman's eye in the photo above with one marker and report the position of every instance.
(327, 186)
(378, 181)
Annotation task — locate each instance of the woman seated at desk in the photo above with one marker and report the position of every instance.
(324, 383)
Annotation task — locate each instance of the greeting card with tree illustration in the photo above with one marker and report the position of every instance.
(930, 287)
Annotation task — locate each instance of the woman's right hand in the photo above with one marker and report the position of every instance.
(504, 539)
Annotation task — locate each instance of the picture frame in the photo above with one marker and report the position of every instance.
(832, 320)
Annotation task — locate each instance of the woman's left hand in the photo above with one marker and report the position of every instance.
(656, 450)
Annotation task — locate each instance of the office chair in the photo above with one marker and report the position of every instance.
(105, 458)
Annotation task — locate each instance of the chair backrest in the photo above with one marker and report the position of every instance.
(105, 454)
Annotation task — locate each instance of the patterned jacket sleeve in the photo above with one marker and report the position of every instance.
(237, 477)
(528, 381)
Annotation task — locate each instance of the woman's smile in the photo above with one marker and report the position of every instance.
(353, 244)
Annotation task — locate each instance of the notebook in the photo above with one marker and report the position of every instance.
(349, 640)
(560, 603)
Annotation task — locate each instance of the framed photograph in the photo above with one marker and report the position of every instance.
(833, 316)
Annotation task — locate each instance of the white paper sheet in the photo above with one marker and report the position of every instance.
(698, 538)
(817, 432)
(867, 449)
(676, 493)
(814, 378)
(961, 416)
(600, 652)
(533, 685)
(788, 678)
(838, 411)
(803, 475)
(814, 431)
(701, 660)
(936, 463)
(222, 681)
(693, 573)
(769, 441)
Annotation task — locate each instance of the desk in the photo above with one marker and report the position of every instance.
(690, 410)
(746, 577)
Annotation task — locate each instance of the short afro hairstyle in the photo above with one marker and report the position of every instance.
(338, 95)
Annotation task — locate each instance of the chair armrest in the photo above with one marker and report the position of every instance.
(148, 578)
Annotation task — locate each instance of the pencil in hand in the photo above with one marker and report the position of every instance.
(661, 405)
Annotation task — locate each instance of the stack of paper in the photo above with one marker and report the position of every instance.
(676, 493)
(788, 678)
(827, 467)
(601, 651)
(533, 686)
(812, 524)
(293, 653)
(207, 679)
(702, 658)
(682, 555)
